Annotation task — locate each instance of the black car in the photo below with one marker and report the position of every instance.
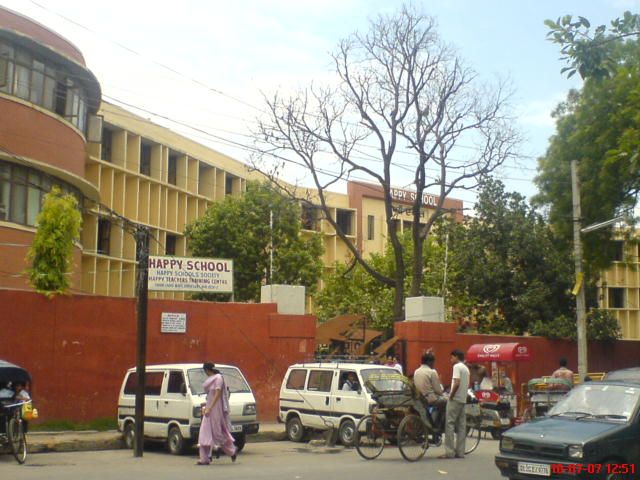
(593, 432)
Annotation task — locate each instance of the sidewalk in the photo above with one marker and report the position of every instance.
(71, 441)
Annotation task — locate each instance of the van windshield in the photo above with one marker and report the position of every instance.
(602, 402)
(232, 377)
(384, 380)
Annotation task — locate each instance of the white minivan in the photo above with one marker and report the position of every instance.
(172, 404)
(313, 396)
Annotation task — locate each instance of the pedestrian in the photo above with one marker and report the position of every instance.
(456, 420)
(215, 429)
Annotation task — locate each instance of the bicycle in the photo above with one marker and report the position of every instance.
(13, 433)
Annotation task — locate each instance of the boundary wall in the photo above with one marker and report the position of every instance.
(78, 347)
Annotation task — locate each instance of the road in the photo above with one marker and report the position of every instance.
(268, 461)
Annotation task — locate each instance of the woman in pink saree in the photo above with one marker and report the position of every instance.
(215, 429)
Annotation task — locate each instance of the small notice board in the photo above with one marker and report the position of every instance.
(173, 323)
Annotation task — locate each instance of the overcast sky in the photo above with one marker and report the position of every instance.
(230, 51)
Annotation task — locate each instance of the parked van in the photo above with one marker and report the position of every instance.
(320, 396)
(172, 408)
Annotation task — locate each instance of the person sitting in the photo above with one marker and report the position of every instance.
(22, 395)
(6, 392)
(486, 383)
(563, 372)
(351, 383)
(427, 382)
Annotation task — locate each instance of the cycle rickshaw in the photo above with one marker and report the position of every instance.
(12, 425)
(401, 417)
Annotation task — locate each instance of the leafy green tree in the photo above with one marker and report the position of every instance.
(590, 52)
(506, 260)
(350, 289)
(239, 228)
(51, 254)
(600, 127)
(601, 325)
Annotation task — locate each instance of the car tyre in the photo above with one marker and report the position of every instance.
(295, 430)
(175, 441)
(347, 433)
(129, 435)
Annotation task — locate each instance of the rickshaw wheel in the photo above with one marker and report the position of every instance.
(17, 440)
(369, 437)
(413, 438)
(473, 434)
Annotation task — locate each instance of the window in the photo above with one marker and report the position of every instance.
(296, 379)
(170, 245)
(616, 298)
(18, 199)
(5, 189)
(153, 383)
(107, 140)
(343, 219)
(172, 173)
(228, 185)
(320, 381)
(22, 190)
(145, 160)
(309, 217)
(104, 236)
(618, 250)
(176, 382)
(32, 79)
(370, 227)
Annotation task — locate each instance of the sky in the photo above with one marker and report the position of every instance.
(208, 64)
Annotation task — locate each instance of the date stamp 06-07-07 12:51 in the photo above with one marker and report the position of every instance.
(594, 468)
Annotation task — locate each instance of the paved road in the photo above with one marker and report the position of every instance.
(268, 461)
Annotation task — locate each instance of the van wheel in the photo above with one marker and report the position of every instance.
(347, 433)
(129, 435)
(239, 439)
(295, 430)
(175, 441)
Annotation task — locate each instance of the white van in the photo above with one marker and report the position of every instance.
(313, 396)
(173, 398)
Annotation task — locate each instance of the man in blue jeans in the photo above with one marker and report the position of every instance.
(456, 420)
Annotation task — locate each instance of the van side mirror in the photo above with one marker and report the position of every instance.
(183, 389)
(359, 390)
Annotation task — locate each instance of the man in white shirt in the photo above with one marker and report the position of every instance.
(456, 419)
(351, 383)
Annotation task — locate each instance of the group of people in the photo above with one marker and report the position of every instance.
(15, 392)
(427, 382)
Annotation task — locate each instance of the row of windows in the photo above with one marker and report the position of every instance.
(145, 161)
(22, 190)
(344, 219)
(31, 78)
(103, 239)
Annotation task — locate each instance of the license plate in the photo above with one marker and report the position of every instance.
(236, 428)
(534, 469)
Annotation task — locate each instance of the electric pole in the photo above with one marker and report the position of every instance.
(579, 287)
(142, 276)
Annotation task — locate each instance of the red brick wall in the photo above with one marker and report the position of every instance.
(602, 356)
(77, 348)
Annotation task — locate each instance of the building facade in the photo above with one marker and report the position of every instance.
(153, 176)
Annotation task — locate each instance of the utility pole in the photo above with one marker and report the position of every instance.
(142, 276)
(579, 287)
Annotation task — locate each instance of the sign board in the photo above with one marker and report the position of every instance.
(173, 322)
(189, 274)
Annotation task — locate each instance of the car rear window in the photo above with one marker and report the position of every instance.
(296, 379)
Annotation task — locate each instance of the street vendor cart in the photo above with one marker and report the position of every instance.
(500, 404)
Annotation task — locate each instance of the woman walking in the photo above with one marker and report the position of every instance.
(215, 429)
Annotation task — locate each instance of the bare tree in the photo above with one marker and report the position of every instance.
(399, 86)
